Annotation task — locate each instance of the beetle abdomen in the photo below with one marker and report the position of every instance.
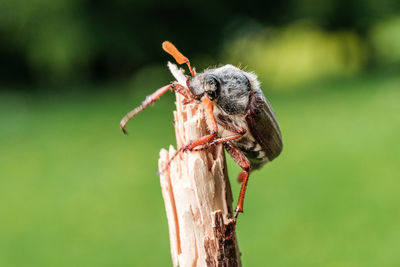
(248, 144)
(252, 150)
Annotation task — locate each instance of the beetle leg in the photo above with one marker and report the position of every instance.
(239, 134)
(183, 91)
(228, 125)
(242, 161)
(152, 98)
(218, 141)
(212, 125)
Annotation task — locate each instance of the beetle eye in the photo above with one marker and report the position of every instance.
(212, 86)
(212, 94)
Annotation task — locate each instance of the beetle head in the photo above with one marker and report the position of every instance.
(229, 86)
(204, 83)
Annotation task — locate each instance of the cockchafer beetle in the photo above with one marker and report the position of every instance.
(237, 114)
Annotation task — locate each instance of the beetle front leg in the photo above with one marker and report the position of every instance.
(212, 125)
(152, 98)
(183, 91)
(243, 162)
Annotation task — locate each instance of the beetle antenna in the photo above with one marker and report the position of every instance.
(178, 56)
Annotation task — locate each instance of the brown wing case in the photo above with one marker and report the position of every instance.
(264, 126)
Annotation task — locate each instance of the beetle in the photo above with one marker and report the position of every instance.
(237, 114)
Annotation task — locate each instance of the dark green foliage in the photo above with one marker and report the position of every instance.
(65, 41)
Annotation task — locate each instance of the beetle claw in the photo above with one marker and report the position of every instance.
(123, 129)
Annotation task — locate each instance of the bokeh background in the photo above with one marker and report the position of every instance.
(74, 191)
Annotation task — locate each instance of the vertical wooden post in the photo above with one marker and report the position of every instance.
(197, 194)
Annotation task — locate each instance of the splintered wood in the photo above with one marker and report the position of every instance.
(197, 196)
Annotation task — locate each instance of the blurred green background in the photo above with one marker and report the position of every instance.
(74, 191)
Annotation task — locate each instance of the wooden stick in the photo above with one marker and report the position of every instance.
(197, 195)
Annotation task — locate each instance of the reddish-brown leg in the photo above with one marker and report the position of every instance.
(233, 128)
(242, 161)
(239, 132)
(183, 91)
(218, 141)
(152, 98)
(212, 125)
(211, 122)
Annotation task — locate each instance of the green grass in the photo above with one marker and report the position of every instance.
(74, 191)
